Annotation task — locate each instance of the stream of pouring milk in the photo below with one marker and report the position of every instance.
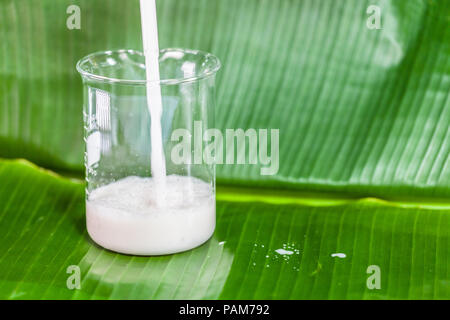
(158, 215)
(154, 99)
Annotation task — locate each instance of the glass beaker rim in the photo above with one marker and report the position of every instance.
(215, 62)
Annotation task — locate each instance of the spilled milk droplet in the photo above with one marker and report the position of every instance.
(339, 255)
(283, 252)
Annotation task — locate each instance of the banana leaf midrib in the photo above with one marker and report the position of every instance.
(232, 193)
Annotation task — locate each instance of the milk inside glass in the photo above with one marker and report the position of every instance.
(124, 216)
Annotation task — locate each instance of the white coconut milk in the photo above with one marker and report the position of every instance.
(124, 216)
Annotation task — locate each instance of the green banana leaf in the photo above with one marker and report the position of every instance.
(363, 115)
(360, 111)
(43, 235)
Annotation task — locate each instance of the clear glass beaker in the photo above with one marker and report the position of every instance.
(128, 210)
